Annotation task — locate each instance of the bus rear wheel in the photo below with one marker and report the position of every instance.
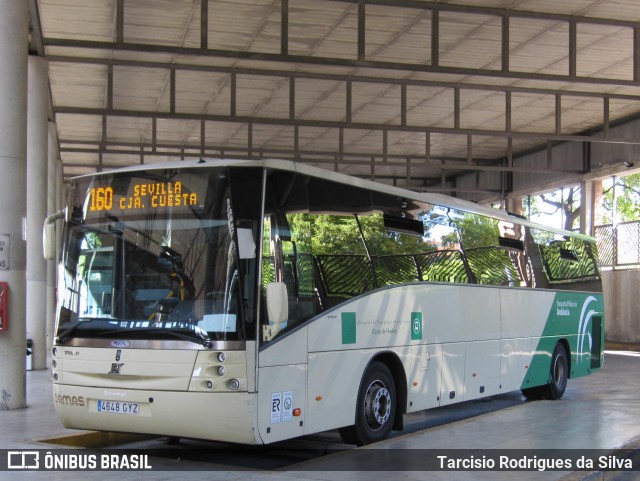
(375, 409)
(558, 376)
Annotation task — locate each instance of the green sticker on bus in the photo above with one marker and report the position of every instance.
(348, 328)
(416, 326)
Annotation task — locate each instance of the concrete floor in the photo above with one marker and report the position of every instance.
(601, 411)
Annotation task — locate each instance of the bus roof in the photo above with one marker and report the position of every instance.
(287, 165)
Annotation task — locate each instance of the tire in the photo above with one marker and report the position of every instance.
(558, 375)
(375, 409)
(532, 393)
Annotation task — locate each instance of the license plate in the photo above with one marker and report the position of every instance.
(118, 407)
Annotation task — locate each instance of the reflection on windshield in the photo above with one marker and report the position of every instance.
(164, 272)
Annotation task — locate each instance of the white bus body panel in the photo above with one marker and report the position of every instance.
(282, 391)
(514, 362)
(334, 381)
(291, 349)
(524, 312)
(482, 369)
(452, 388)
(144, 369)
(219, 416)
(426, 376)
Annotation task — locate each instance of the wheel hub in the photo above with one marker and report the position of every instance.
(377, 407)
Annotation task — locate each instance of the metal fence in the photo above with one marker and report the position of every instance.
(619, 246)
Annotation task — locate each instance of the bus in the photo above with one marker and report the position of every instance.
(257, 301)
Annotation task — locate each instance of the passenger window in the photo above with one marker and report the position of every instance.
(566, 259)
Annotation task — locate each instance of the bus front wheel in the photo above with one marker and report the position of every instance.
(375, 409)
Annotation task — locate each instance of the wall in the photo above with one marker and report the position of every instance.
(622, 306)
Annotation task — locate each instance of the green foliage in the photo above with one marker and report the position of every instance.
(93, 240)
(628, 199)
(474, 231)
(327, 234)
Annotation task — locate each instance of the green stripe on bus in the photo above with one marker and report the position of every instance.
(570, 318)
(348, 328)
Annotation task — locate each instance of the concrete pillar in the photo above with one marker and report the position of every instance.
(587, 208)
(514, 205)
(61, 202)
(14, 30)
(37, 154)
(598, 203)
(52, 206)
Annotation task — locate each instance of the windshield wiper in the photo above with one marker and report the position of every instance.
(206, 342)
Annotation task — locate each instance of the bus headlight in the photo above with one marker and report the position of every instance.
(221, 371)
(221, 357)
(234, 384)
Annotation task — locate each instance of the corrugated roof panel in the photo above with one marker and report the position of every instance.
(533, 112)
(535, 45)
(262, 96)
(375, 103)
(581, 113)
(78, 85)
(319, 139)
(178, 131)
(162, 22)
(78, 19)
(203, 92)
(361, 141)
(407, 143)
(318, 99)
(469, 40)
(323, 29)
(79, 127)
(248, 25)
(398, 34)
(272, 137)
(134, 130)
(137, 88)
(601, 48)
(430, 106)
(483, 110)
(231, 134)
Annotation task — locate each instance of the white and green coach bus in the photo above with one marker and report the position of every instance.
(256, 301)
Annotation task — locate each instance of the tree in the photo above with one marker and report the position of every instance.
(564, 201)
(473, 231)
(628, 199)
(328, 234)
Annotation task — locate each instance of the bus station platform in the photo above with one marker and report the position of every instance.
(598, 412)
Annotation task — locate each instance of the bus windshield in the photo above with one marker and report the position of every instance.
(153, 256)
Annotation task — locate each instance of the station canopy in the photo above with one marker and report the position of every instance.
(408, 92)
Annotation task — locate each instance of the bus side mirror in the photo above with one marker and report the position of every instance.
(49, 235)
(277, 309)
(49, 241)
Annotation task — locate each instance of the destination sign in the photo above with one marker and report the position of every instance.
(156, 195)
